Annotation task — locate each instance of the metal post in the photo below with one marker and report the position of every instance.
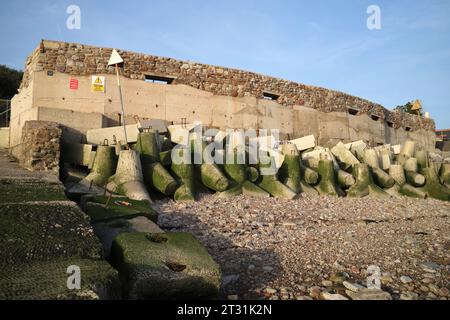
(121, 104)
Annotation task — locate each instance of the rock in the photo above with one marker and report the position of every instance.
(226, 280)
(233, 297)
(408, 295)
(405, 279)
(443, 292)
(354, 287)
(270, 291)
(330, 296)
(315, 292)
(369, 294)
(267, 269)
(327, 283)
(338, 277)
(430, 267)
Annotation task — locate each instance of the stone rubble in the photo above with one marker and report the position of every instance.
(320, 248)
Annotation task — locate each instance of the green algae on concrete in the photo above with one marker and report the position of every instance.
(310, 176)
(213, 178)
(364, 185)
(165, 158)
(382, 179)
(433, 186)
(47, 280)
(147, 146)
(184, 193)
(445, 174)
(327, 184)
(273, 186)
(95, 207)
(105, 164)
(45, 231)
(19, 190)
(165, 267)
(253, 174)
(290, 173)
(252, 190)
(415, 179)
(156, 176)
(412, 192)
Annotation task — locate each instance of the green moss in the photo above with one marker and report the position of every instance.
(147, 147)
(179, 268)
(156, 176)
(364, 185)
(95, 208)
(213, 178)
(382, 179)
(290, 173)
(433, 186)
(253, 174)
(45, 231)
(19, 191)
(47, 280)
(105, 165)
(310, 176)
(410, 191)
(184, 193)
(327, 184)
(165, 158)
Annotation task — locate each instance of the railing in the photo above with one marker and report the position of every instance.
(5, 112)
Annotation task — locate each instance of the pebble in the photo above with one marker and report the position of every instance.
(430, 267)
(330, 296)
(233, 297)
(405, 279)
(327, 283)
(408, 295)
(369, 294)
(354, 287)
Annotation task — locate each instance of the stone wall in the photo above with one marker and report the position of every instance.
(83, 60)
(40, 146)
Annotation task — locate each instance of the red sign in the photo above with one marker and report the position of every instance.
(73, 84)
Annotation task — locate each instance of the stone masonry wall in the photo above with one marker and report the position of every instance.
(83, 60)
(40, 147)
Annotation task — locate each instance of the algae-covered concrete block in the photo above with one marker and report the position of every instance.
(47, 280)
(98, 136)
(76, 153)
(165, 267)
(107, 231)
(14, 190)
(304, 143)
(154, 124)
(100, 209)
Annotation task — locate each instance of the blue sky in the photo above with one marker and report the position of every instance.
(323, 43)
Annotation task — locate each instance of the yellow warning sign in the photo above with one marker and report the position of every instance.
(98, 84)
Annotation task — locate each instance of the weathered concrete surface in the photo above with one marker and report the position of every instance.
(4, 138)
(42, 235)
(223, 98)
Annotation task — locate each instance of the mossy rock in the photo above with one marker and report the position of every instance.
(47, 280)
(95, 208)
(45, 231)
(12, 191)
(165, 267)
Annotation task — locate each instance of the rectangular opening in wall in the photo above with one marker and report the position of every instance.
(375, 117)
(390, 124)
(270, 96)
(353, 111)
(407, 128)
(158, 79)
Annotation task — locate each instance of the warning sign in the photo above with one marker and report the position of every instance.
(73, 84)
(98, 84)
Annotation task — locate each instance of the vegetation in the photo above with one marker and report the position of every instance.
(408, 108)
(9, 82)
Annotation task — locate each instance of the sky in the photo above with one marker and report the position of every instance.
(324, 43)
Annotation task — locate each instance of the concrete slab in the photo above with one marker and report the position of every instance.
(305, 143)
(98, 136)
(154, 124)
(4, 138)
(76, 153)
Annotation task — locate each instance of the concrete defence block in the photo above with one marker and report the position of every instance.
(356, 144)
(154, 124)
(305, 143)
(98, 136)
(102, 208)
(107, 231)
(396, 149)
(179, 134)
(76, 153)
(4, 138)
(385, 157)
(344, 155)
(165, 266)
(313, 157)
